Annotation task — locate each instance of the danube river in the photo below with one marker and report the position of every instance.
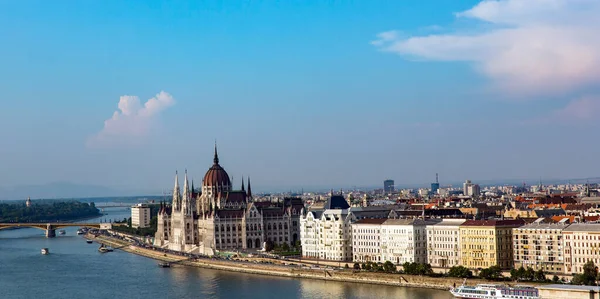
(75, 269)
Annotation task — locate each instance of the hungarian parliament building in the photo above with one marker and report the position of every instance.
(218, 218)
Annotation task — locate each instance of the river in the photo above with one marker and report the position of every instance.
(75, 269)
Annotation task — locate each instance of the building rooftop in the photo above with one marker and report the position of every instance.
(583, 227)
(514, 222)
(449, 222)
(544, 225)
(371, 221)
(410, 221)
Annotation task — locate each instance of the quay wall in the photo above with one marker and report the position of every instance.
(441, 283)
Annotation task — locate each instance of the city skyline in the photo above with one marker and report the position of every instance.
(122, 95)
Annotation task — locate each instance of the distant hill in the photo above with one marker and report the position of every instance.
(61, 190)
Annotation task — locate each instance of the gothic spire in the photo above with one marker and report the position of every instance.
(249, 188)
(176, 193)
(216, 159)
(243, 189)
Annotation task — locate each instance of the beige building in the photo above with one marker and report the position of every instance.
(140, 216)
(486, 243)
(539, 246)
(366, 240)
(582, 244)
(443, 243)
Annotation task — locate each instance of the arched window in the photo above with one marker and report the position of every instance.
(222, 227)
(240, 229)
(279, 225)
(285, 225)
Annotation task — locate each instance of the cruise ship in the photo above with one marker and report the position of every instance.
(492, 291)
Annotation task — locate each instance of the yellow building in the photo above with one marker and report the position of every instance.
(486, 243)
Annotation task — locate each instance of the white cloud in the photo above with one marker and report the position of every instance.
(132, 122)
(524, 46)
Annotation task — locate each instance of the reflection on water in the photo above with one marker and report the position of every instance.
(75, 269)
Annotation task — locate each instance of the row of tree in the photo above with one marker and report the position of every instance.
(590, 274)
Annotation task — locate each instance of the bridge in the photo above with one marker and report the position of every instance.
(51, 228)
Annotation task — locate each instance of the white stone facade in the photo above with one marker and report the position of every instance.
(366, 241)
(404, 240)
(327, 234)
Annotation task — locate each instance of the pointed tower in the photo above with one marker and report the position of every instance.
(216, 157)
(176, 195)
(249, 189)
(186, 206)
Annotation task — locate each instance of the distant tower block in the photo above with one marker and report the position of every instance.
(388, 186)
(435, 186)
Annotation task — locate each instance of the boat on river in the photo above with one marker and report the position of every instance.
(45, 251)
(164, 265)
(104, 249)
(61, 232)
(89, 241)
(492, 291)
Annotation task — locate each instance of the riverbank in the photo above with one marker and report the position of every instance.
(440, 283)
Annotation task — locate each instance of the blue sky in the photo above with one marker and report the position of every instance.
(298, 93)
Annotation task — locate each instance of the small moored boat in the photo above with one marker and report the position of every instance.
(61, 232)
(164, 265)
(45, 251)
(89, 241)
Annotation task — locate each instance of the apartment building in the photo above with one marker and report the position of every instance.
(404, 240)
(366, 240)
(540, 246)
(443, 243)
(486, 243)
(140, 216)
(581, 244)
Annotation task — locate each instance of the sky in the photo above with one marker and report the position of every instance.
(298, 94)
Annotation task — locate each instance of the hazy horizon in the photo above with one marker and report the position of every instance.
(119, 95)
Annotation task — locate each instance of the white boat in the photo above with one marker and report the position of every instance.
(61, 232)
(45, 251)
(492, 291)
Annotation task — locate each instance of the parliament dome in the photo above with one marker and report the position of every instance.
(216, 175)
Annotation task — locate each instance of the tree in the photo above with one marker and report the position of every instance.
(356, 266)
(346, 266)
(269, 246)
(589, 275)
(366, 266)
(491, 273)
(389, 267)
(529, 274)
(285, 247)
(460, 272)
(540, 275)
(555, 279)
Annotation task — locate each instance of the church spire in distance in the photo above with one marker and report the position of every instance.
(243, 189)
(249, 188)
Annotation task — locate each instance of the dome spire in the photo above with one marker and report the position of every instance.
(216, 159)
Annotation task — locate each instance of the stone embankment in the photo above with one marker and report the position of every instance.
(442, 283)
